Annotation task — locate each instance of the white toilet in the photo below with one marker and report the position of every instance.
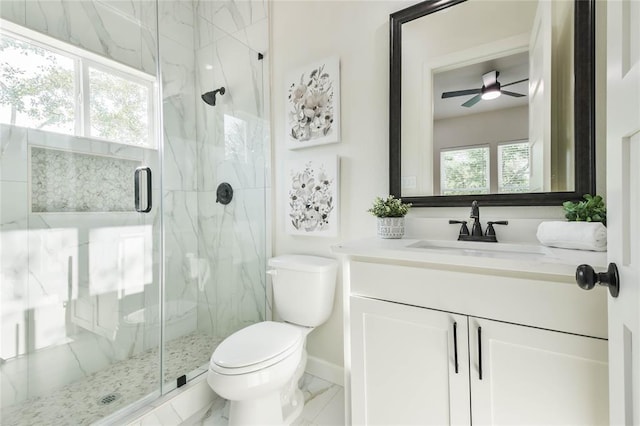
(258, 368)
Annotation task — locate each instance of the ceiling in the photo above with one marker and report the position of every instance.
(512, 68)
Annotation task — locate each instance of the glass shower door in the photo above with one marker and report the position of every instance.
(79, 214)
(215, 253)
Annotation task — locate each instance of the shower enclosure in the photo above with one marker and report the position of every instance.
(119, 271)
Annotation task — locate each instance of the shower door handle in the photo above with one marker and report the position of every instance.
(136, 181)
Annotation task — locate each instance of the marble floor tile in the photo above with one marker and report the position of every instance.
(324, 406)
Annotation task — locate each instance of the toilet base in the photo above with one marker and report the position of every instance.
(256, 412)
(292, 411)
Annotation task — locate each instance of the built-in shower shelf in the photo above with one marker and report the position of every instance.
(67, 181)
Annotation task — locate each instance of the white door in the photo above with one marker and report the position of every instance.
(530, 376)
(623, 201)
(403, 365)
(540, 99)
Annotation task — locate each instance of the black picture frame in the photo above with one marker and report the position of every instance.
(584, 114)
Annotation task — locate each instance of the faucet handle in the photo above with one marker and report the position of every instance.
(464, 230)
(492, 232)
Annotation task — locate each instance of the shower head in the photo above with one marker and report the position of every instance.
(210, 97)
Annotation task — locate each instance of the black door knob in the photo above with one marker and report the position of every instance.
(587, 278)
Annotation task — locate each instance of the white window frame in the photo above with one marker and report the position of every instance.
(84, 59)
(443, 188)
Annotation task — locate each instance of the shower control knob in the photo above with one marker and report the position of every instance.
(224, 193)
(587, 278)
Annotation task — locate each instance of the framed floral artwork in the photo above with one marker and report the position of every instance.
(313, 104)
(312, 196)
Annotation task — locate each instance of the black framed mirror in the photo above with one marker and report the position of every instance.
(581, 159)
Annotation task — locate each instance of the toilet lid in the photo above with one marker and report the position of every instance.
(256, 344)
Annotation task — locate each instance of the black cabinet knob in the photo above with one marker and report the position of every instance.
(587, 278)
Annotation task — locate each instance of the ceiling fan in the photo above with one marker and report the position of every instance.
(491, 89)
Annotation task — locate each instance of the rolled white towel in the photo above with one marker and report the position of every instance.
(573, 235)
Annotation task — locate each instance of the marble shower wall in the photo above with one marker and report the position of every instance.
(180, 184)
(233, 147)
(64, 267)
(214, 255)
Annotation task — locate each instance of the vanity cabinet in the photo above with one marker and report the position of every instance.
(418, 366)
(403, 365)
(456, 342)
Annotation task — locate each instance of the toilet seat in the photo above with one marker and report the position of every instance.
(256, 347)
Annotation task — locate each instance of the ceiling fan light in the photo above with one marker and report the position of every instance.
(491, 92)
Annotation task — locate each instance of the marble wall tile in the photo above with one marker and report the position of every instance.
(89, 25)
(239, 161)
(179, 116)
(14, 266)
(232, 16)
(256, 36)
(87, 145)
(234, 241)
(233, 132)
(181, 243)
(14, 11)
(149, 50)
(142, 12)
(231, 148)
(205, 33)
(177, 72)
(177, 22)
(13, 153)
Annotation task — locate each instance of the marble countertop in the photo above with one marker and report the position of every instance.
(521, 258)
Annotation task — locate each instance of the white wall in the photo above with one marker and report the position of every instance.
(303, 32)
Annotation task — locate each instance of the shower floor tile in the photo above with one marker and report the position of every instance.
(124, 382)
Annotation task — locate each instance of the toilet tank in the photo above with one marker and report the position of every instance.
(303, 287)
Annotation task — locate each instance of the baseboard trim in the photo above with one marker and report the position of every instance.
(325, 370)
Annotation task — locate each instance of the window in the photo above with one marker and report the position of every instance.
(37, 87)
(464, 171)
(49, 85)
(513, 167)
(119, 108)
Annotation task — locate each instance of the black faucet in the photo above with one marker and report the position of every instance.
(476, 229)
(476, 234)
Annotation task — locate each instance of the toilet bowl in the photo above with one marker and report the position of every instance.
(258, 368)
(252, 367)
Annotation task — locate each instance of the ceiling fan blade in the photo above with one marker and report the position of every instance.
(515, 95)
(515, 82)
(471, 102)
(460, 93)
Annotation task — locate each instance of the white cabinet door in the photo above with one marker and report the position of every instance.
(403, 365)
(532, 376)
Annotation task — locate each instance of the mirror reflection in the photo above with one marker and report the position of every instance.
(487, 99)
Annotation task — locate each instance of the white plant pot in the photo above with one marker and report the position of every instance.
(390, 227)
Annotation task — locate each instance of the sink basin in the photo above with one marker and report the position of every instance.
(472, 248)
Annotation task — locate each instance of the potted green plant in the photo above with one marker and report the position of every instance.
(390, 213)
(592, 209)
